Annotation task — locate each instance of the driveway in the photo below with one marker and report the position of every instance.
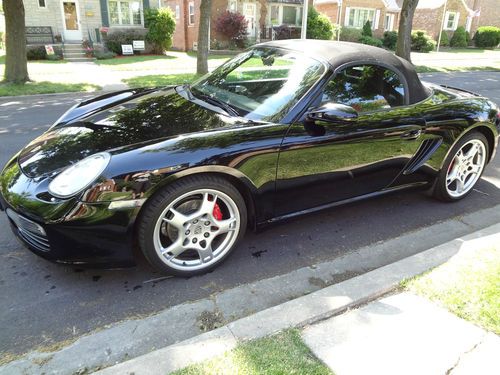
(43, 303)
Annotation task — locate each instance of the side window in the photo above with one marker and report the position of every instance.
(365, 88)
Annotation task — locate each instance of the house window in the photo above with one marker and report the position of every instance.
(275, 15)
(125, 12)
(389, 22)
(357, 17)
(42, 4)
(233, 6)
(451, 20)
(285, 14)
(177, 12)
(191, 13)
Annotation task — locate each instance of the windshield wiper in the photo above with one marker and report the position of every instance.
(215, 101)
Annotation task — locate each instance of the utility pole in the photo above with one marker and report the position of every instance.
(303, 32)
(442, 26)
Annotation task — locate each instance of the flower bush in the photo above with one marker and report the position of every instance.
(233, 26)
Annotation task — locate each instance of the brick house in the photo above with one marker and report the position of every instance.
(429, 16)
(261, 17)
(382, 14)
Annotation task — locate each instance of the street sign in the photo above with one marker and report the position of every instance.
(127, 49)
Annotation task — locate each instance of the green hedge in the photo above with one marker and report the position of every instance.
(487, 37)
(115, 38)
(421, 42)
(390, 40)
(459, 38)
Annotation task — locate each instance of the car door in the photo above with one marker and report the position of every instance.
(325, 161)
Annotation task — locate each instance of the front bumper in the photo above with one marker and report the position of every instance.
(67, 231)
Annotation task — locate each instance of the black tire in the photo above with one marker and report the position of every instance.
(440, 190)
(158, 203)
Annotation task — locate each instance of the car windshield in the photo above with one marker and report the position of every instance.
(262, 84)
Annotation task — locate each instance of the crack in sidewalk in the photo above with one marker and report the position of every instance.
(457, 362)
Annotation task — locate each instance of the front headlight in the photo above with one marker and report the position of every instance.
(80, 175)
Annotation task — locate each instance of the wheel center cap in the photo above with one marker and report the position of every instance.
(198, 229)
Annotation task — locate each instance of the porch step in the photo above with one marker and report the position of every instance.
(79, 59)
(74, 54)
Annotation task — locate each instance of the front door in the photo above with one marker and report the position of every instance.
(249, 11)
(71, 20)
(326, 162)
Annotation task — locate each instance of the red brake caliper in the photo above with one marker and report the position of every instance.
(217, 213)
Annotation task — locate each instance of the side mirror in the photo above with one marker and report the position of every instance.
(332, 112)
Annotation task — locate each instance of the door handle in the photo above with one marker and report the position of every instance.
(412, 134)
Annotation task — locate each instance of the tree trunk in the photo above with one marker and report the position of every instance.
(203, 35)
(16, 65)
(403, 47)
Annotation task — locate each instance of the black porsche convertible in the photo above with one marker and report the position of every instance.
(282, 129)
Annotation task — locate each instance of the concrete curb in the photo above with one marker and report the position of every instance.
(299, 312)
(36, 96)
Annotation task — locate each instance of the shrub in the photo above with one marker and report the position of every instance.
(54, 57)
(161, 26)
(390, 40)
(104, 55)
(459, 39)
(467, 37)
(36, 53)
(371, 41)
(39, 53)
(367, 29)
(318, 25)
(445, 41)
(421, 42)
(114, 39)
(233, 26)
(487, 37)
(350, 34)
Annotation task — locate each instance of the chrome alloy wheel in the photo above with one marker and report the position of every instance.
(465, 168)
(197, 229)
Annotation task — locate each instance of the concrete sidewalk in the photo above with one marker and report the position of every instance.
(403, 334)
(398, 334)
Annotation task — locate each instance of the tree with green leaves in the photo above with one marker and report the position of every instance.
(161, 26)
(367, 29)
(16, 64)
(318, 25)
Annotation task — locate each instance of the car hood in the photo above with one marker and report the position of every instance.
(112, 122)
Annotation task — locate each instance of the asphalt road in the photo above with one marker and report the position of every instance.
(44, 303)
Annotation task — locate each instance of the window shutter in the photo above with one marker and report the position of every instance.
(104, 13)
(145, 4)
(346, 16)
(377, 19)
(457, 17)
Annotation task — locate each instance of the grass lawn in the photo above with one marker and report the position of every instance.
(123, 60)
(31, 88)
(468, 286)
(284, 353)
(160, 80)
(211, 57)
(433, 69)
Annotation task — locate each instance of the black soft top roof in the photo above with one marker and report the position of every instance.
(340, 53)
